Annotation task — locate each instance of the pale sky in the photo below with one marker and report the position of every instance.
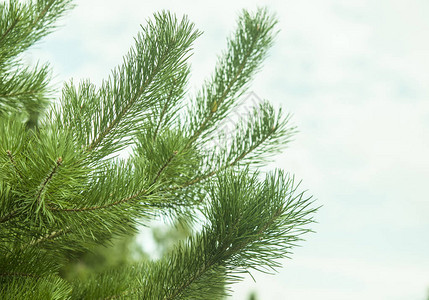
(355, 76)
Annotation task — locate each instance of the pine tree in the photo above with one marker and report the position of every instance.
(63, 188)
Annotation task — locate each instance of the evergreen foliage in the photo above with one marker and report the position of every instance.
(63, 189)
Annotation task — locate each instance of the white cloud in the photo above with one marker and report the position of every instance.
(352, 277)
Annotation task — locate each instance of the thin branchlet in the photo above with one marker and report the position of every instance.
(164, 167)
(48, 178)
(50, 236)
(229, 165)
(15, 274)
(9, 216)
(221, 99)
(163, 112)
(214, 108)
(99, 207)
(13, 162)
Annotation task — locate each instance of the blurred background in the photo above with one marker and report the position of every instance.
(355, 76)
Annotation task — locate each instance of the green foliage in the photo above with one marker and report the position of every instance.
(252, 296)
(21, 26)
(64, 193)
(123, 250)
(166, 237)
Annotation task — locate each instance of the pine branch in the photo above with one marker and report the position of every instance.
(50, 236)
(235, 68)
(255, 40)
(258, 135)
(164, 110)
(9, 216)
(24, 24)
(122, 113)
(31, 26)
(125, 100)
(25, 89)
(162, 169)
(71, 194)
(12, 160)
(227, 166)
(220, 100)
(21, 26)
(116, 203)
(44, 184)
(190, 280)
(18, 275)
(39, 194)
(250, 225)
(30, 287)
(8, 30)
(42, 14)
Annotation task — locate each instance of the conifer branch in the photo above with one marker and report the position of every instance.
(235, 69)
(126, 97)
(162, 169)
(118, 202)
(208, 118)
(44, 184)
(42, 14)
(28, 26)
(12, 160)
(229, 165)
(19, 275)
(124, 293)
(224, 253)
(20, 94)
(122, 113)
(220, 100)
(163, 111)
(250, 224)
(14, 23)
(9, 216)
(110, 126)
(206, 266)
(50, 236)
